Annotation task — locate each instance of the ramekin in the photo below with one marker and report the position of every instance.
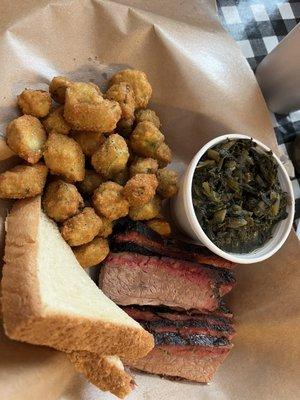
(183, 210)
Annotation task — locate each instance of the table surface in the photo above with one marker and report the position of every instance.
(258, 26)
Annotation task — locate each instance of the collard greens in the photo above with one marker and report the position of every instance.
(237, 195)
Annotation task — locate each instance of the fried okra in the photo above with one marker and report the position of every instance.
(111, 157)
(109, 201)
(106, 229)
(63, 156)
(146, 211)
(35, 102)
(61, 200)
(163, 155)
(26, 137)
(55, 122)
(57, 88)
(138, 81)
(125, 127)
(140, 189)
(145, 139)
(88, 141)
(85, 109)
(91, 181)
(123, 94)
(82, 228)
(143, 166)
(142, 115)
(23, 181)
(92, 253)
(167, 182)
(160, 226)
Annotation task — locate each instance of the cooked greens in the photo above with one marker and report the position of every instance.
(237, 195)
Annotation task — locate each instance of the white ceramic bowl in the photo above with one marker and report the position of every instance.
(185, 217)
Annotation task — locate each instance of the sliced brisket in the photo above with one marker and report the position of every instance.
(160, 320)
(156, 273)
(139, 238)
(189, 347)
(195, 363)
(130, 278)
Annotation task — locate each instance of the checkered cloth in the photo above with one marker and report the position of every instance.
(258, 26)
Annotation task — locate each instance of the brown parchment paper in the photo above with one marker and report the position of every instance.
(203, 87)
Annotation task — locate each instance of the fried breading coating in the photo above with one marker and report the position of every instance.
(145, 139)
(82, 228)
(140, 189)
(57, 88)
(26, 137)
(125, 127)
(23, 181)
(109, 201)
(111, 157)
(160, 226)
(142, 115)
(122, 93)
(163, 155)
(143, 166)
(85, 109)
(147, 211)
(61, 200)
(138, 81)
(55, 122)
(92, 253)
(88, 141)
(167, 182)
(63, 156)
(35, 102)
(91, 181)
(107, 228)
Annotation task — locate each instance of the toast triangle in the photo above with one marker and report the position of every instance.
(107, 373)
(49, 300)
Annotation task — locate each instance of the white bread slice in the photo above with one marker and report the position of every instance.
(49, 300)
(107, 373)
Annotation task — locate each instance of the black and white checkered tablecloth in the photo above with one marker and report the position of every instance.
(258, 26)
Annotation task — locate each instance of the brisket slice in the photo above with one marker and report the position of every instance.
(194, 363)
(183, 353)
(160, 320)
(130, 278)
(137, 237)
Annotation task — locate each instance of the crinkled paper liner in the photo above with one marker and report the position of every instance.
(202, 88)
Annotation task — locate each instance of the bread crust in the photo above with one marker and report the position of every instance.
(25, 317)
(103, 373)
(20, 297)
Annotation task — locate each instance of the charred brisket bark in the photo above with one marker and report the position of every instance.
(183, 353)
(160, 320)
(137, 237)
